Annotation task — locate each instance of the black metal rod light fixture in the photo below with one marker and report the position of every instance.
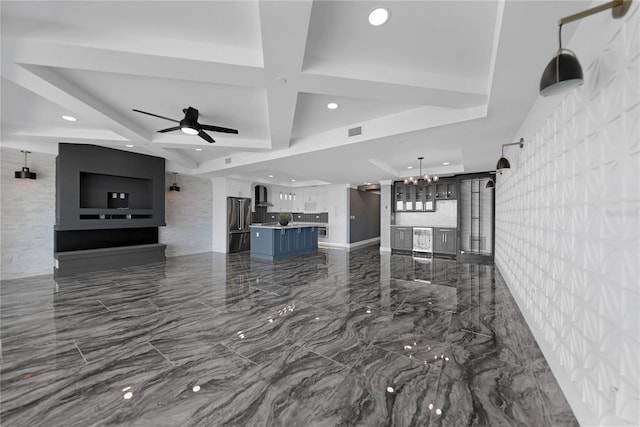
(421, 179)
(25, 173)
(564, 72)
(503, 163)
(175, 186)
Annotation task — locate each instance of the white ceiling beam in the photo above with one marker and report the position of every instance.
(111, 61)
(389, 92)
(284, 27)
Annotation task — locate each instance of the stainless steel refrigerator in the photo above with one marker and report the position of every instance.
(238, 222)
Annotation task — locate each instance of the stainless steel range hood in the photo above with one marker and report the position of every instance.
(261, 197)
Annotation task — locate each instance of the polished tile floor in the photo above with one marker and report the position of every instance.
(331, 339)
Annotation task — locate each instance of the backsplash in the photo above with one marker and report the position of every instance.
(446, 215)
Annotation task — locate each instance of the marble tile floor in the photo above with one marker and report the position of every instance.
(335, 338)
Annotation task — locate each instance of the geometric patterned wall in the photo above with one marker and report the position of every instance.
(568, 231)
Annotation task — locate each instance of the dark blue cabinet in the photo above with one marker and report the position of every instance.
(273, 243)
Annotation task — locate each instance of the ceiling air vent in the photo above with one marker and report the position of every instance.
(355, 131)
(227, 160)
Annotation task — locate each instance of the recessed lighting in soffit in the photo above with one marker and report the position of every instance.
(378, 16)
(332, 106)
(69, 118)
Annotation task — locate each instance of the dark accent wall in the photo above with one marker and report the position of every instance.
(86, 174)
(364, 215)
(109, 204)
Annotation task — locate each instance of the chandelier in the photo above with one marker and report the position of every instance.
(421, 180)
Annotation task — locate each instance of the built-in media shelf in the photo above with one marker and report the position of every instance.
(109, 205)
(121, 213)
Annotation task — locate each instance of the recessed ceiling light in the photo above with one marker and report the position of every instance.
(445, 163)
(332, 106)
(378, 16)
(270, 176)
(69, 118)
(198, 149)
(409, 167)
(293, 180)
(129, 146)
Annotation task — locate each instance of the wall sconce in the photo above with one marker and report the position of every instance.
(564, 72)
(175, 186)
(24, 173)
(503, 163)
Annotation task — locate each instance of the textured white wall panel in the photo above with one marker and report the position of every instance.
(189, 216)
(27, 215)
(568, 220)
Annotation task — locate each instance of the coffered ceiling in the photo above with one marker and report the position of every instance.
(447, 80)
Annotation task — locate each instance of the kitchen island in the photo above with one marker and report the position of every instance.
(272, 241)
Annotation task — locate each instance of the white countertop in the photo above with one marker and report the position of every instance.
(291, 225)
(424, 226)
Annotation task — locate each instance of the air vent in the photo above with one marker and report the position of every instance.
(355, 131)
(227, 160)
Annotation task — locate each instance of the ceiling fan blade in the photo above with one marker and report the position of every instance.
(169, 129)
(202, 134)
(155, 115)
(218, 129)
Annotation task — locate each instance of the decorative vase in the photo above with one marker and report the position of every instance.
(284, 222)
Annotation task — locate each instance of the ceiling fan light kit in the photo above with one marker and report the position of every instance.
(564, 72)
(190, 126)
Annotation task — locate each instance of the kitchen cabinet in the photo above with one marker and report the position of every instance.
(402, 238)
(412, 198)
(446, 189)
(444, 240)
(274, 242)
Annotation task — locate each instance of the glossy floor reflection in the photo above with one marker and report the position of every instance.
(334, 338)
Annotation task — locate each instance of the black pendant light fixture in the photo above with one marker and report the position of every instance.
(421, 180)
(564, 72)
(503, 162)
(25, 173)
(175, 186)
(490, 184)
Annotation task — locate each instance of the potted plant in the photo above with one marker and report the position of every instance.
(284, 218)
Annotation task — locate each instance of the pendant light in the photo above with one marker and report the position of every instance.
(175, 186)
(503, 162)
(421, 179)
(24, 173)
(490, 184)
(564, 72)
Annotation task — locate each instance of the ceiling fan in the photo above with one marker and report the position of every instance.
(190, 125)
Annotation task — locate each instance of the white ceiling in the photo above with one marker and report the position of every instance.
(448, 80)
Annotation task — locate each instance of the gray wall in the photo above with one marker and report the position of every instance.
(27, 215)
(189, 216)
(364, 214)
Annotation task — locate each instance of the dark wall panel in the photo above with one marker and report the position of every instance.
(86, 173)
(364, 214)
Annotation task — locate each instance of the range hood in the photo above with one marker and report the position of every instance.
(261, 197)
(369, 187)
